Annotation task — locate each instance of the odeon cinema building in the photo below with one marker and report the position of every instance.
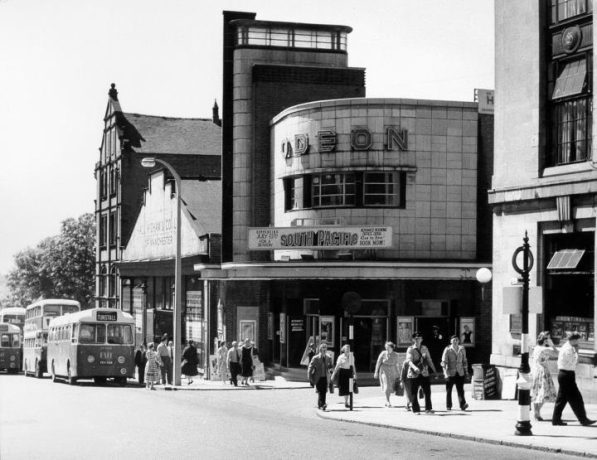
(338, 208)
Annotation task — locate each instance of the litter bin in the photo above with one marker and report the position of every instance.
(484, 381)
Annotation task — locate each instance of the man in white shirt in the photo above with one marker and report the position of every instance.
(166, 358)
(233, 360)
(568, 391)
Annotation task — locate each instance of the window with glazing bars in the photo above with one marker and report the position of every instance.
(565, 9)
(329, 190)
(380, 189)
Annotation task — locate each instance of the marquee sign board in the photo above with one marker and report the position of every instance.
(320, 238)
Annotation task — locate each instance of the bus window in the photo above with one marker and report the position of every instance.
(5, 340)
(69, 309)
(15, 341)
(52, 310)
(120, 334)
(92, 333)
(75, 333)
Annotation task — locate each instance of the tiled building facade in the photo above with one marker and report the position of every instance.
(403, 175)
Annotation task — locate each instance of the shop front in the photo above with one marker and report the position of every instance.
(392, 301)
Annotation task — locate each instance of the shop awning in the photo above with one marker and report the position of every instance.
(571, 80)
(341, 270)
(565, 259)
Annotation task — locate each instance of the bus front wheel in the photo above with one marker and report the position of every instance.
(70, 379)
(38, 372)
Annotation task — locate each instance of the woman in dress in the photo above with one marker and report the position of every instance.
(221, 355)
(388, 370)
(152, 368)
(190, 360)
(246, 361)
(542, 389)
(344, 370)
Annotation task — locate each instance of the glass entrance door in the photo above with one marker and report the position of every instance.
(369, 337)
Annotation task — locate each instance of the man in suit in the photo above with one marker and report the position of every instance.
(319, 373)
(568, 391)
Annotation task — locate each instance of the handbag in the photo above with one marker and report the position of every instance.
(398, 388)
(331, 387)
(355, 387)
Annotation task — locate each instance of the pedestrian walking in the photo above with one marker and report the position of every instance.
(343, 372)
(387, 369)
(246, 362)
(542, 388)
(152, 369)
(568, 391)
(436, 343)
(221, 357)
(233, 361)
(405, 382)
(190, 360)
(419, 361)
(140, 362)
(455, 367)
(319, 374)
(166, 359)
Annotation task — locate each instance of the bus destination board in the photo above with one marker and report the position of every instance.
(106, 316)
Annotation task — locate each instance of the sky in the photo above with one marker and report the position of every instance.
(58, 58)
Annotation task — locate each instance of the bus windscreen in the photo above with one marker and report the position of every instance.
(120, 334)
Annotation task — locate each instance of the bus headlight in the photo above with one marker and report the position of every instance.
(13, 357)
(12, 365)
(90, 359)
(121, 359)
(123, 371)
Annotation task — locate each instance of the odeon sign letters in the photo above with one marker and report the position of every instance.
(360, 140)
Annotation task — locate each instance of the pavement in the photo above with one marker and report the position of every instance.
(488, 421)
(199, 384)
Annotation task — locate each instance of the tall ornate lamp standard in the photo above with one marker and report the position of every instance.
(523, 426)
(176, 370)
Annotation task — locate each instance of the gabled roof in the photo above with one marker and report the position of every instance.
(203, 201)
(168, 135)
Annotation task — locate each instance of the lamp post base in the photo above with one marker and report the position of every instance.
(523, 428)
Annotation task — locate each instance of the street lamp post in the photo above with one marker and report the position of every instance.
(523, 425)
(176, 359)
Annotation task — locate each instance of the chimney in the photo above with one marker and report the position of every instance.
(215, 114)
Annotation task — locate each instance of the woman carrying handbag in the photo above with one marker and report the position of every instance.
(388, 370)
(344, 371)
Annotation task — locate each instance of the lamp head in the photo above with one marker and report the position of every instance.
(483, 275)
(148, 162)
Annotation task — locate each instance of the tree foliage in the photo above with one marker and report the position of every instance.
(62, 266)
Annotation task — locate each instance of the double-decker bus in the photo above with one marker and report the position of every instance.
(10, 348)
(13, 315)
(35, 331)
(93, 344)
